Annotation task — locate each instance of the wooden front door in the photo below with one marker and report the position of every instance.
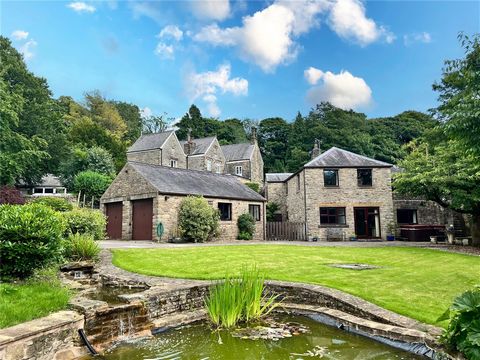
(142, 219)
(114, 220)
(367, 222)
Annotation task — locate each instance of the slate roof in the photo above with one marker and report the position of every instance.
(337, 158)
(176, 181)
(277, 177)
(150, 141)
(235, 152)
(201, 145)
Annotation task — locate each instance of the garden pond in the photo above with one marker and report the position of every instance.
(310, 339)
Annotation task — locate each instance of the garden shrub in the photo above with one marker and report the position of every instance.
(91, 183)
(81, 247)
(463, 331)
(272, 209)
(197, 220)
(30, 238)
(11, 195)
(86, 221)
(246, 227)
(57, 204)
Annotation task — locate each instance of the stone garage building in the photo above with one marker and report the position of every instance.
(144, 195)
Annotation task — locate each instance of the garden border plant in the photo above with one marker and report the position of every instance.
(240, 299)
(246, 226)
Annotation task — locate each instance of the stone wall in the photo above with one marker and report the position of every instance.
(54, 337)
(148, 156)
(295, 198)
(275, 192)
(428, 212)
(257, 173)
(349, 195)
(173, 150)
(245, 164)
(168, 207)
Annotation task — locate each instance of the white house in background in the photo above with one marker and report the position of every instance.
(50, 185)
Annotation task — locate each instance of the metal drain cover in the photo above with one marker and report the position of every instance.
(355, 266)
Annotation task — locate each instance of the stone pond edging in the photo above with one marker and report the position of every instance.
(165, 302)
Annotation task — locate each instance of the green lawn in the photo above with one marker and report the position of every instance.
(30, 300)
(419, 283)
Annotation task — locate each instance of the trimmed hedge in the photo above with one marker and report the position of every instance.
(30, 238)
(86, 221)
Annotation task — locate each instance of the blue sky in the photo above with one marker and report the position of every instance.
(243, 59)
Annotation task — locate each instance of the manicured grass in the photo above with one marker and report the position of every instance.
(419, 283)
(30, 300)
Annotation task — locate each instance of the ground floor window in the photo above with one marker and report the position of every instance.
(225, 210)
(254, 210)
(332, 216)
(407, 216)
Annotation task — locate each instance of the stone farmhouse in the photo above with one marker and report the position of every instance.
(338, 194)
(161, 171)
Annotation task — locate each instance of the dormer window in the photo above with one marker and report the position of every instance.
(239, 170)
(364, 177)
(173, 163)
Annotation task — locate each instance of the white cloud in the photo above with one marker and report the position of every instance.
(206, 85)
(146, 112)
(217, 10)
(80, 6)
(342, 90)
(349, 21)
(266, 38)
(313, 75)
(171, 31)
(164, 51)
(423, 37)
(19, 35)
(28, 48)
(149, 9)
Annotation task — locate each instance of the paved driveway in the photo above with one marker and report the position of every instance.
(132, 244)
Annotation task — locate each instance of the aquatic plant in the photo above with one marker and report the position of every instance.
(240, 299)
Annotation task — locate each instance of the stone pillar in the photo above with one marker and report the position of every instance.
(127, 220)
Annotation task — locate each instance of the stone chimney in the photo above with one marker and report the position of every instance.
(253, 139)
(189, 146)
(316, 149)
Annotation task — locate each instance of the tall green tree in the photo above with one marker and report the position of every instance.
(445, 167)
(130, 114)
(273, 136)
(27, 115)
(193, 120)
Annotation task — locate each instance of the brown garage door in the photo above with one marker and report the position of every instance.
(114, 220)
(142, 219)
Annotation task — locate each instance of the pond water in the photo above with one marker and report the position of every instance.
(198, 341)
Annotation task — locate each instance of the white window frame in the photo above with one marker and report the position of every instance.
(209, 165)
(173, 163)
(219, 168)
(239, 170)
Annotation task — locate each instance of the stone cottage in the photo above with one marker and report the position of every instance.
(338, 194)
(145, 195)
(244, 160)
(204, 154)
(158, 149)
